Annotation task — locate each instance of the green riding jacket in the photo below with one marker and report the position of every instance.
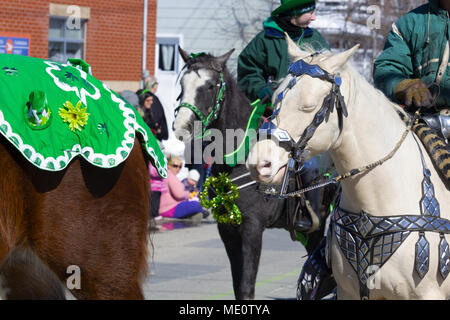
(267, 56)
(415, 49)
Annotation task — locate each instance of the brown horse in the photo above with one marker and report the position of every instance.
(92, 218)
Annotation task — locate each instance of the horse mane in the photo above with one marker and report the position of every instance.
(359, 78)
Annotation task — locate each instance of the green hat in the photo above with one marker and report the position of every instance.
(296, 7)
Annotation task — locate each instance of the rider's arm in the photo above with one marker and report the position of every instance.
(395, 62)
(251, 70)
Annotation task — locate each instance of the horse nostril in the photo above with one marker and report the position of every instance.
(264, 164)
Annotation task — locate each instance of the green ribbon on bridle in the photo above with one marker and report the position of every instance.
(213, 114)
(195, 55)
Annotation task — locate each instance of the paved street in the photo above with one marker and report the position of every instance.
(190, 263)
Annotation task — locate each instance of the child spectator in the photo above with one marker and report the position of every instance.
(190, 183)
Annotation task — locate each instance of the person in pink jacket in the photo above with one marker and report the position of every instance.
(174, 201)
(158, 186)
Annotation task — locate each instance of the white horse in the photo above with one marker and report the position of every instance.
(369, 133)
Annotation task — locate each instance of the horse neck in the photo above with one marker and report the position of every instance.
(235, 113)
(371, 132)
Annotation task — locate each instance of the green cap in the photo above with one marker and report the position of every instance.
(295, 7)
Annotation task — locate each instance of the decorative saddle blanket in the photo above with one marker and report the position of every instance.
(53, 112)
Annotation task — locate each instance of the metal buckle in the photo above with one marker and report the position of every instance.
(269, 129)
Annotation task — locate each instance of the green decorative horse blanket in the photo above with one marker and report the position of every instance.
(53, 112)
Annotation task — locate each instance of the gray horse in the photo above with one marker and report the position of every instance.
(202, 82)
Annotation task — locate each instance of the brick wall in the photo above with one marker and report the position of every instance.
(113, 35)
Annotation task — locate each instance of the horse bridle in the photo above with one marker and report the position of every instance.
(297, 149)
(215, 109)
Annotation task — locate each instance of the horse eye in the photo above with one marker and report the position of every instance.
(210, 86)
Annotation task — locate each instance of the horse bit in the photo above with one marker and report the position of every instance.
(366, 241)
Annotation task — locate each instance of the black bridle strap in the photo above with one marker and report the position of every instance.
(333, 98)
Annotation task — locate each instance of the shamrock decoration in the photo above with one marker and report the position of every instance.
(11, 71)
(226, 195)
(77, 116)
(71, 76)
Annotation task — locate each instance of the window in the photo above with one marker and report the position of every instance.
(167, 51)
(65, 39)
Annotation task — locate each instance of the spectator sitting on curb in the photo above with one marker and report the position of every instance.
(175, 202)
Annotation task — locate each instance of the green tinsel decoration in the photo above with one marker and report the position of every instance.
(226, 195)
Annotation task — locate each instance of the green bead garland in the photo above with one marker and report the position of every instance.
(227, 194)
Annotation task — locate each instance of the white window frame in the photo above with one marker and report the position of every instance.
(66, 40)
(168, 40)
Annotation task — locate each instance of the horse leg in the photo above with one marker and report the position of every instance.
(22, 274)
(92, 229)
(251, 233)
(233, 245)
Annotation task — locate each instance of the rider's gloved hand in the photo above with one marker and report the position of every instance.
(413, 92)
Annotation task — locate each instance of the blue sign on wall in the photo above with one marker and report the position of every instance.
(15, 44)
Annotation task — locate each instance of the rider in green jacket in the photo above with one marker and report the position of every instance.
(265, 59)
(261, 65)
(416, 55)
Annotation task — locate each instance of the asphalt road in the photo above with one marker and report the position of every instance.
(190, 263)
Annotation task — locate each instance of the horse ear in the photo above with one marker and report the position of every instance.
(184, 54)
(222, 60)
(337, 61)
(294, 51)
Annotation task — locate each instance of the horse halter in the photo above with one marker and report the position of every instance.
(215, 109)
(269, 129)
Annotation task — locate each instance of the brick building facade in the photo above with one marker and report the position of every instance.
(112, 38)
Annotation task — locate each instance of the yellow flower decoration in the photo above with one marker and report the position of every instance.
(77, 116)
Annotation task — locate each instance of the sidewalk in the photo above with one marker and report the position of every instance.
(190, 263)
